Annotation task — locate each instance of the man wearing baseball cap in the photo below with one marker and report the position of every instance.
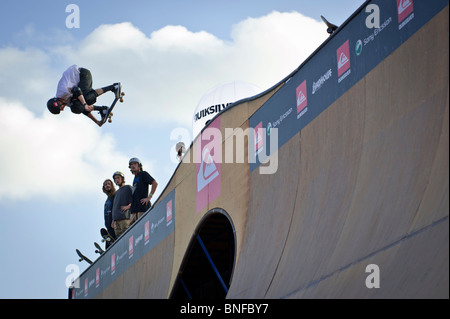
(141, 198)
(121, 204)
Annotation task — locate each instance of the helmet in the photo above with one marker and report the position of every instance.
(118, 173)
(53, 106)
(134, 159)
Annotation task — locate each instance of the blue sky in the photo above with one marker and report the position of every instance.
(167, 54)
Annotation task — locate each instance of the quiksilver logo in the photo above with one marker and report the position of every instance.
(403, 5)
(213, 109)
(405, 12)
(342, 60)
(208, 170)
(301, 98)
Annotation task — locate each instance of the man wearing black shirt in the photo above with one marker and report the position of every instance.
(141, 198)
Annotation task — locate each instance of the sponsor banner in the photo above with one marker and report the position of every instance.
(208, 154)
(145, 234)
(347, 57)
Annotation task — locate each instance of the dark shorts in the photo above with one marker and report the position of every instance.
(88, 92)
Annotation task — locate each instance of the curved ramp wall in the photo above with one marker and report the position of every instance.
(364, 183)
(360, 176)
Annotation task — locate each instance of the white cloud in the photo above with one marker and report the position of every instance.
(166, 73)
(58, 157)
(178, 38)
(274, 45)
(26, 75)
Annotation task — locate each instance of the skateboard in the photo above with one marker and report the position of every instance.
(99, 250)
(83, 257)
(106, 236)
(331, 27)
(107, 114)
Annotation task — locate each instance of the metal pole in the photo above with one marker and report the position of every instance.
(185, 288)
(212, 263)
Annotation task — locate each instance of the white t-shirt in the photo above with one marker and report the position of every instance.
(70, 78)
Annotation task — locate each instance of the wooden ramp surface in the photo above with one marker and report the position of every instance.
(366, 182)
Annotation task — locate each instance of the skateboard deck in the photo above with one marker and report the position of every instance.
(331, 27)
(106, 236)
(108, 115)
(83, 257)
(99, 249)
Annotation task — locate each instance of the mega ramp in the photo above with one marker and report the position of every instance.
(352, 197)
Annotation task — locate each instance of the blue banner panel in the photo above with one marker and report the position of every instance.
(345, 58)
(145, 234)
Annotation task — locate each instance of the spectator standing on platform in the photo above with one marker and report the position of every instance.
(110, 191)
(141, 198)
(121, 205)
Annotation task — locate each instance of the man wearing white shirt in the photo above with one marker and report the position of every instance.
(75, 90)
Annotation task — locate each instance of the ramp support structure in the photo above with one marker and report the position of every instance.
(212, 263)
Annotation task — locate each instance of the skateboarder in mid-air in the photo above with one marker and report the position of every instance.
(75, 90)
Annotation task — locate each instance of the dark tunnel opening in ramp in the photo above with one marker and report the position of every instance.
(208, 264)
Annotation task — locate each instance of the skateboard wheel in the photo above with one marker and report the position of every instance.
(122, 93)
(121, 100)
(109, 120)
